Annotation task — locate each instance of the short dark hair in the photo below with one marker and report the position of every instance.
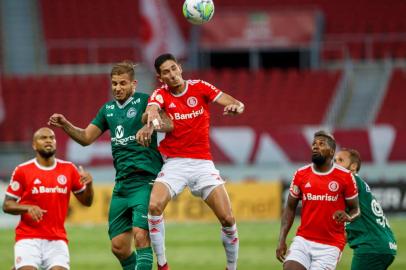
(355, 157)
(330, 138)
(124, 67)
(161, 59)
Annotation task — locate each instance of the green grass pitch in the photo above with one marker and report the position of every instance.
(191, 246)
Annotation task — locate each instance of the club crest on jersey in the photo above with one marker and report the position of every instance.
(131, 113)
(15, 185)
(192, 102)
(61, 179)
(333, 186)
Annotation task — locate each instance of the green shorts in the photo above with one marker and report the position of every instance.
(129, 205)
(371, 261)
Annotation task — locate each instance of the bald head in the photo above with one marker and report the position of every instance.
(44, 143)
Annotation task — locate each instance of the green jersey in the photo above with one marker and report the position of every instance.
(123, 121)
(370, 232)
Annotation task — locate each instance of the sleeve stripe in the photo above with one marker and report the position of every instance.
(352, 197)
(293, 195)
(12, 195)
(154, 103)
(218, 96)
(80, 190)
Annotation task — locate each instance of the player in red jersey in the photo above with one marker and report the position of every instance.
(186, 150)
(326, 190)
(39, 191)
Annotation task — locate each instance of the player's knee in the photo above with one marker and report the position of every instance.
(120, 251)
(141, 238)
(227, 220)
(155, 208)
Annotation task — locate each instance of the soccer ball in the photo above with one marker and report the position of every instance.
(198, 11)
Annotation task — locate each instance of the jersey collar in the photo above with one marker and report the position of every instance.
(183, 93)
(43, 167)
(125, 103)
(323, 173)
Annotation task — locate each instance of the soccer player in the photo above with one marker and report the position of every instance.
(188, 161)
(39, 191)
(136, 166)
(326, 190)
(369, 235)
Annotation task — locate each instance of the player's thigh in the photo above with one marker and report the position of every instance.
(139, 202)
(174, 174)
(55, 255)
(298, 253)
(27, 254)
(371, 261)
(219, 202)
(120, 216)
(324, 256)
(205, 179)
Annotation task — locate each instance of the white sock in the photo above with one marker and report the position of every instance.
(229, 236)
(157, 233)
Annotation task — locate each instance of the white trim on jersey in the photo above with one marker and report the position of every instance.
(323, 173)
(180, 94)
(27, 162)
(304, 167)
(12, 195)
(125, 103)
(154, 103)
(217, 97)
(80, 190)
(45, 168)
(352, 197)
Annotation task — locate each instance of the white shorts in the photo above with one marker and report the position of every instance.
(312, 255)
(199, 175)
(41, 253)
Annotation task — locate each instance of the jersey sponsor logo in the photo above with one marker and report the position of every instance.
(193, 114)
(333, 186)
(308, 185)
(325, 197)
(110, 107)
(37, 181)
(131, 113)
(172, 105)
(61, 179)
(192, 102)
(15, 185)
(119, 131)
(42, 189)
(109, 114)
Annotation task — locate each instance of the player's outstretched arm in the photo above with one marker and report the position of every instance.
(11, 206)
(231, 105)
(153, 116)
(352, 213)
(288, 217)
(82, 136)
(85, 197)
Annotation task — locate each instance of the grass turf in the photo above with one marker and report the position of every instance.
(194, 246)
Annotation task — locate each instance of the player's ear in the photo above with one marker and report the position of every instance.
(134, 84)
(159, 78)
(353, 167)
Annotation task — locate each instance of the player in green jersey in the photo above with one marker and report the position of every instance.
(370, 235)
(136, 166)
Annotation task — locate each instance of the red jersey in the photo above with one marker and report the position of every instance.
(322, 194)
(49, 188)
(189, 112)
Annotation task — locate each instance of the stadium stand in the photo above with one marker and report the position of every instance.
(393, 107)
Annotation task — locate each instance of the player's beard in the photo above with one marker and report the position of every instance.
(46, 154)
(318, 159)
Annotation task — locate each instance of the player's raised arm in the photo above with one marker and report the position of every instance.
(231, 105)
(82, 136)
(288, 217)
(86, 196)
